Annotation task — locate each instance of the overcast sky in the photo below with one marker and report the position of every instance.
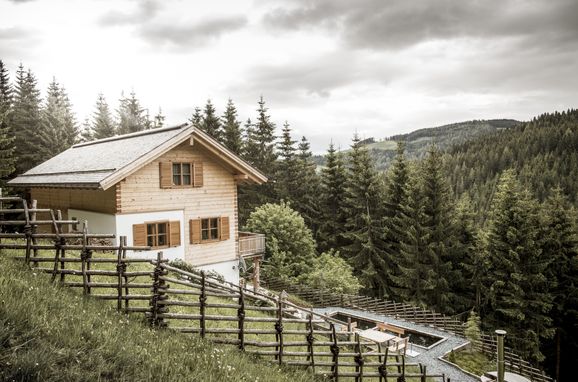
(329, 67)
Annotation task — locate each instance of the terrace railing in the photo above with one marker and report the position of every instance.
(251, 244)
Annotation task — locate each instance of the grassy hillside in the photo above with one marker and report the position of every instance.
(48, 333)
(444, 137)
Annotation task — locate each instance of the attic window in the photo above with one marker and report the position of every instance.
(182, 174)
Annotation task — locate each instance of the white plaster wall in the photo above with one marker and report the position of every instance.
(229, 270)
(124, 223)
(97, 222)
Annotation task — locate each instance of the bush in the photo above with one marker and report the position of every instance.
(289, 246)
(331, 272)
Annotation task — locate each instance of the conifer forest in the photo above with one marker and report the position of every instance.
(480, 216)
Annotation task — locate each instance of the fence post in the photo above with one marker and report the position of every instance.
(241, 316)
(382, 369)
(27, 231)
(279, 330)
(84, 257)
(310, 339)
(61, 242)
(56, 246)
(424, 374)
(358, 359)
(120, 269)
(335, 354)
(34, 205)
(202, 302)
(158, 293)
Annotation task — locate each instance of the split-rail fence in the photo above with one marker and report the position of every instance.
(192, 302)
(410, 313)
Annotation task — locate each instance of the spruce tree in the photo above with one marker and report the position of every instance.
(306, 190)
(210, 122)
(364, 226)
(131, 117)
(102, 122)
(396, 198)
(560, 246)
(414, 277)
(7, 158)
(196, 118)
(86, 132)
(287, 168)
(232, 133)
(26, 121)
(441, 236)
(159, 120)
(332, 202)
(59, 129)
(517, 287)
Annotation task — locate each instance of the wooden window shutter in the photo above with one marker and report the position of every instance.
(198, 174)
(224, 227)
(175, 234)
(166, 174)
(195, 231)
(139, 235)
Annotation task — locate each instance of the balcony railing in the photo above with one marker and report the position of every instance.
(251, 244)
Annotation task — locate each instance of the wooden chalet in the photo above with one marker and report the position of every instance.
(174, 189)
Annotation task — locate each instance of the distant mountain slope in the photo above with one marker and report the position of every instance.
(444, 137)
(544, 152)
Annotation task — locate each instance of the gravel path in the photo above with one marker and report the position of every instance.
(427, 357)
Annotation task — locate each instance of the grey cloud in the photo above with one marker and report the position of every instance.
(145, 11)
(379, 24)
(316, 78)
(13, 33)
(185, 35)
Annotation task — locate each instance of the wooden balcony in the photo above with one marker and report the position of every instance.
(251, 244)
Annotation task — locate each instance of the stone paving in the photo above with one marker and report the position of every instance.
(426, 357)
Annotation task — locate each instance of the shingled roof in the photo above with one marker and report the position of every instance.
(101, 164)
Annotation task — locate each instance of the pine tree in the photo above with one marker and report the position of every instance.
(260, 152)
(560, 245)
(473, 330)
(25, 120)
(102, 123)
(232, 133)
(210, 122)
(364, 228)
(260, 147)
(7, 158)
(332, 202)
(287, 167)
(131, 117)
(86, 132)
(196, 118)
(159, 120)
(306, 190)
(414, 278)
(439, 219)
(396, 198)
(517, 287)
(59, 129)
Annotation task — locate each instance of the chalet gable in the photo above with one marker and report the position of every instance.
(103, 163)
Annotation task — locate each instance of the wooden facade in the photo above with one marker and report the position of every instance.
(81, 199)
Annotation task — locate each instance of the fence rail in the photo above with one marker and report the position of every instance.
(271, 328)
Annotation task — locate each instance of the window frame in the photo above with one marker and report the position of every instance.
(182, 175)
(210, 229)
(155, 235)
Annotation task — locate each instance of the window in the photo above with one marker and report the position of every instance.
(210, 229)
(182, 174)
(157, 235)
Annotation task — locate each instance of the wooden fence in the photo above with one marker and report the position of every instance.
(411, 313)
(193, 303)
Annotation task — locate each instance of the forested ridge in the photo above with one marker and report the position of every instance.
(487, 225)
(417, 142)
(543, 152)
